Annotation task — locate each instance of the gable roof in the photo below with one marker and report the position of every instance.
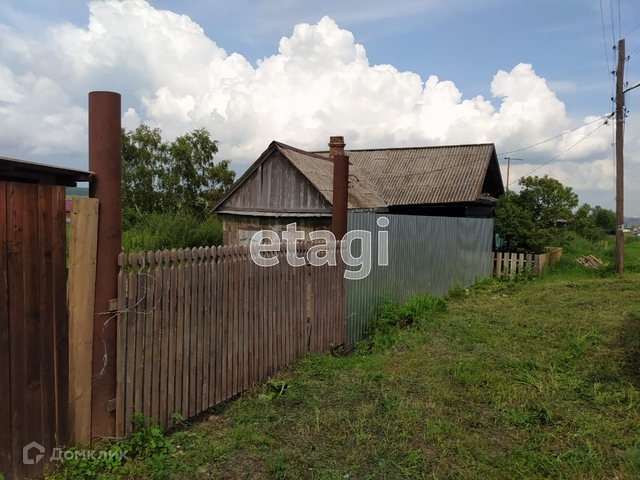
(430, 175)
(319, 171)
(380, 178)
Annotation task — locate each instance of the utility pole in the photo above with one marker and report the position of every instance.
(508, 159)
(619, 158)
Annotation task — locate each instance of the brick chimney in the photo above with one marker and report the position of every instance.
(340, 186)
(336, 146)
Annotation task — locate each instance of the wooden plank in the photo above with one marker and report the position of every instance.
(172, 362)
(186, 351)
(46, 315)
(156, 257)
(300, 307)
(83, 249)
(225, 334)
(33, 355)
(290, 294)
(246, 336)
(130, 346)
(213, 320)
(130, 352)
(253, 355)
(165, 414)
(141, 285)
(279, 326)
(205, 359)
(237, 316)
(180, 381)
(200, 335)
(17, 344)
(5, 353)
(61, 319)
(521, 263)
(232, 323)
(269, 330)
(121, 342)
(220, 323)
(498, 271)
(194, 338)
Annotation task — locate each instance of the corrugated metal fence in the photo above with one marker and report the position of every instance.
(426, 254)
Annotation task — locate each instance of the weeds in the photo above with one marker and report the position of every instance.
(520, 378)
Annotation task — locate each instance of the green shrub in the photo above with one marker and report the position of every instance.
(157, 232)
(147, 441)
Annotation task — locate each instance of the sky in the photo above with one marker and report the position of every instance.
(380, 73)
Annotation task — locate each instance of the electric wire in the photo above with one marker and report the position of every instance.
(557, 136)
(606, 49)
(631, 31)
(619, 20)
(563, 152)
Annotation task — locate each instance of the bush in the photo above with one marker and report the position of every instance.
(159, 232)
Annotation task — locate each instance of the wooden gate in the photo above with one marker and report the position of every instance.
(33, 326)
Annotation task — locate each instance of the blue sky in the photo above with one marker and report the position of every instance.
(551, 54)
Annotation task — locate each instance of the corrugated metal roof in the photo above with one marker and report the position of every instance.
(319, 171)
(424, 175)
(396, 176)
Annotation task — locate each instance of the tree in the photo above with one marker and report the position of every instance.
(172, 178)
(528, 221)
(604, 219)
(143, 159)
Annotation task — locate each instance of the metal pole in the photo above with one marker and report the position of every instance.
(508, 167)
(619, 158)
(340, 187)
(105, 159)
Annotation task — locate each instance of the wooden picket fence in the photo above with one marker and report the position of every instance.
(510, 264)
(198, 326)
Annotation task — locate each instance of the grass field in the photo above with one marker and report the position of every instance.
(532, 378)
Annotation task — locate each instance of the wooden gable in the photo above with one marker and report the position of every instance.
(275, 185)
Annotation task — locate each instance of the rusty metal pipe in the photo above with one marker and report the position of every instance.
(105, 160)
(340, 186)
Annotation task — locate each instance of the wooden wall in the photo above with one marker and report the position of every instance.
(33, 324)
(238, 229)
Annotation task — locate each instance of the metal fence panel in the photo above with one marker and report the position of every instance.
(426, 254)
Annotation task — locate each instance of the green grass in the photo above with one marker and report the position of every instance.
(534, 378)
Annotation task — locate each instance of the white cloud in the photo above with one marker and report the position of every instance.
(319, 83)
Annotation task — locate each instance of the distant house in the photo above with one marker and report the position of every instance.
(73, 192)
(286, 185)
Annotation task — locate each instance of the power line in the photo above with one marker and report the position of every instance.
(564, 151)
(632, 54)
(613, 27)
(557, 136)
(619, 20)
(631, 31)
(606, 51)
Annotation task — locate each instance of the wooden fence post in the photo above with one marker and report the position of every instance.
(83, 246)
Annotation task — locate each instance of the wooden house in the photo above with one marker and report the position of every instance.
(286, 185)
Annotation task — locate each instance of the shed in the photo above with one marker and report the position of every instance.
(33, 311)
(286, 184)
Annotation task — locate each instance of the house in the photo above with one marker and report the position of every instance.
(286, 184)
